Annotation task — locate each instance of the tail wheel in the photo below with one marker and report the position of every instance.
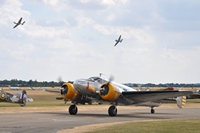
(73, 110)
(112, 111)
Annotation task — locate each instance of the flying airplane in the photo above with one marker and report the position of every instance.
(18, 23)
(14, 88)
(118, 40)
(12, 98)
(97, 89)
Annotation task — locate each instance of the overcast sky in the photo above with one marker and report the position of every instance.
(75, 39)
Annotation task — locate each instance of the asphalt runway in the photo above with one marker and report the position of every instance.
(51, 122)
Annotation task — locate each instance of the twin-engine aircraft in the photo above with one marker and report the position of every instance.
(18, 23)
(97, 89)
(12, 98)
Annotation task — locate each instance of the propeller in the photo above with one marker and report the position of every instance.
(64, 88)
(60, 80)
(105, 88)
(111, 78)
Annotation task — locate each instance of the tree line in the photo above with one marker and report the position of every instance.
(35, 83)
(30, 83)
(163, 85)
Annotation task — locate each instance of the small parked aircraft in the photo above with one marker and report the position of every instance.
(31, 88)
(18, 23)
(97, 89)
(118, 40)
(195, 95)
(14, 88)
(12, 98)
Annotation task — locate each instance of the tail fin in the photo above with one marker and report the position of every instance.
(181, 101)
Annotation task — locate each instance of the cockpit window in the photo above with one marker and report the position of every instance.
(97, 79)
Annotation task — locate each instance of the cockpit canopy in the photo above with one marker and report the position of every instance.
(97, 79)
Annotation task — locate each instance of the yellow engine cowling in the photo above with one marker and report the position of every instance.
(109, 92)
(2, 96)
(68, 92)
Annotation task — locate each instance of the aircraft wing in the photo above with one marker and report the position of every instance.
(16, 25)
(145, 96)
(20, 21)
(116, 43)
(55, 91)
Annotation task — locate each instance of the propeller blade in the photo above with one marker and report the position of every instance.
(60, 80)
(111, 78)
(105, 88)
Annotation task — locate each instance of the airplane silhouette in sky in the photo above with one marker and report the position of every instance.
(118, 40)
(18, 23)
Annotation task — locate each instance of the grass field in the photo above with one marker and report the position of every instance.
(161, 126)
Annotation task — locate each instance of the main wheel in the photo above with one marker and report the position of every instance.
(73, 110)
(152, 111)
(112, 111)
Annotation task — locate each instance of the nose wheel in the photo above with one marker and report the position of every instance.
(73, 110)
(112, 111)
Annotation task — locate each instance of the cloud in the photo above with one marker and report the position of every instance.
(76, 38)
(10, 11)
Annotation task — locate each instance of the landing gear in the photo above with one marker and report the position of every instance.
(112, 111)
(73, 110)
(152, 110)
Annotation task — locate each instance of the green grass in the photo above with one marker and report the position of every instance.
(188, 101)
(164, 126)
(45, 100)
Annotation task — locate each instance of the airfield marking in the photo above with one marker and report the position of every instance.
(61, 120)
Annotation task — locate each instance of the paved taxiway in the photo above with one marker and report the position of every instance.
(51, 122)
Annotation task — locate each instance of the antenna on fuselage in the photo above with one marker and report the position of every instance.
(100, 74)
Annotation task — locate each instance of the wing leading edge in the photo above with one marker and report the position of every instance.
(145, 96)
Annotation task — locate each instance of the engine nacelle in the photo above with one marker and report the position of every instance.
(68, 92)
(2, 96)
(181, 101)
(109, 92)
